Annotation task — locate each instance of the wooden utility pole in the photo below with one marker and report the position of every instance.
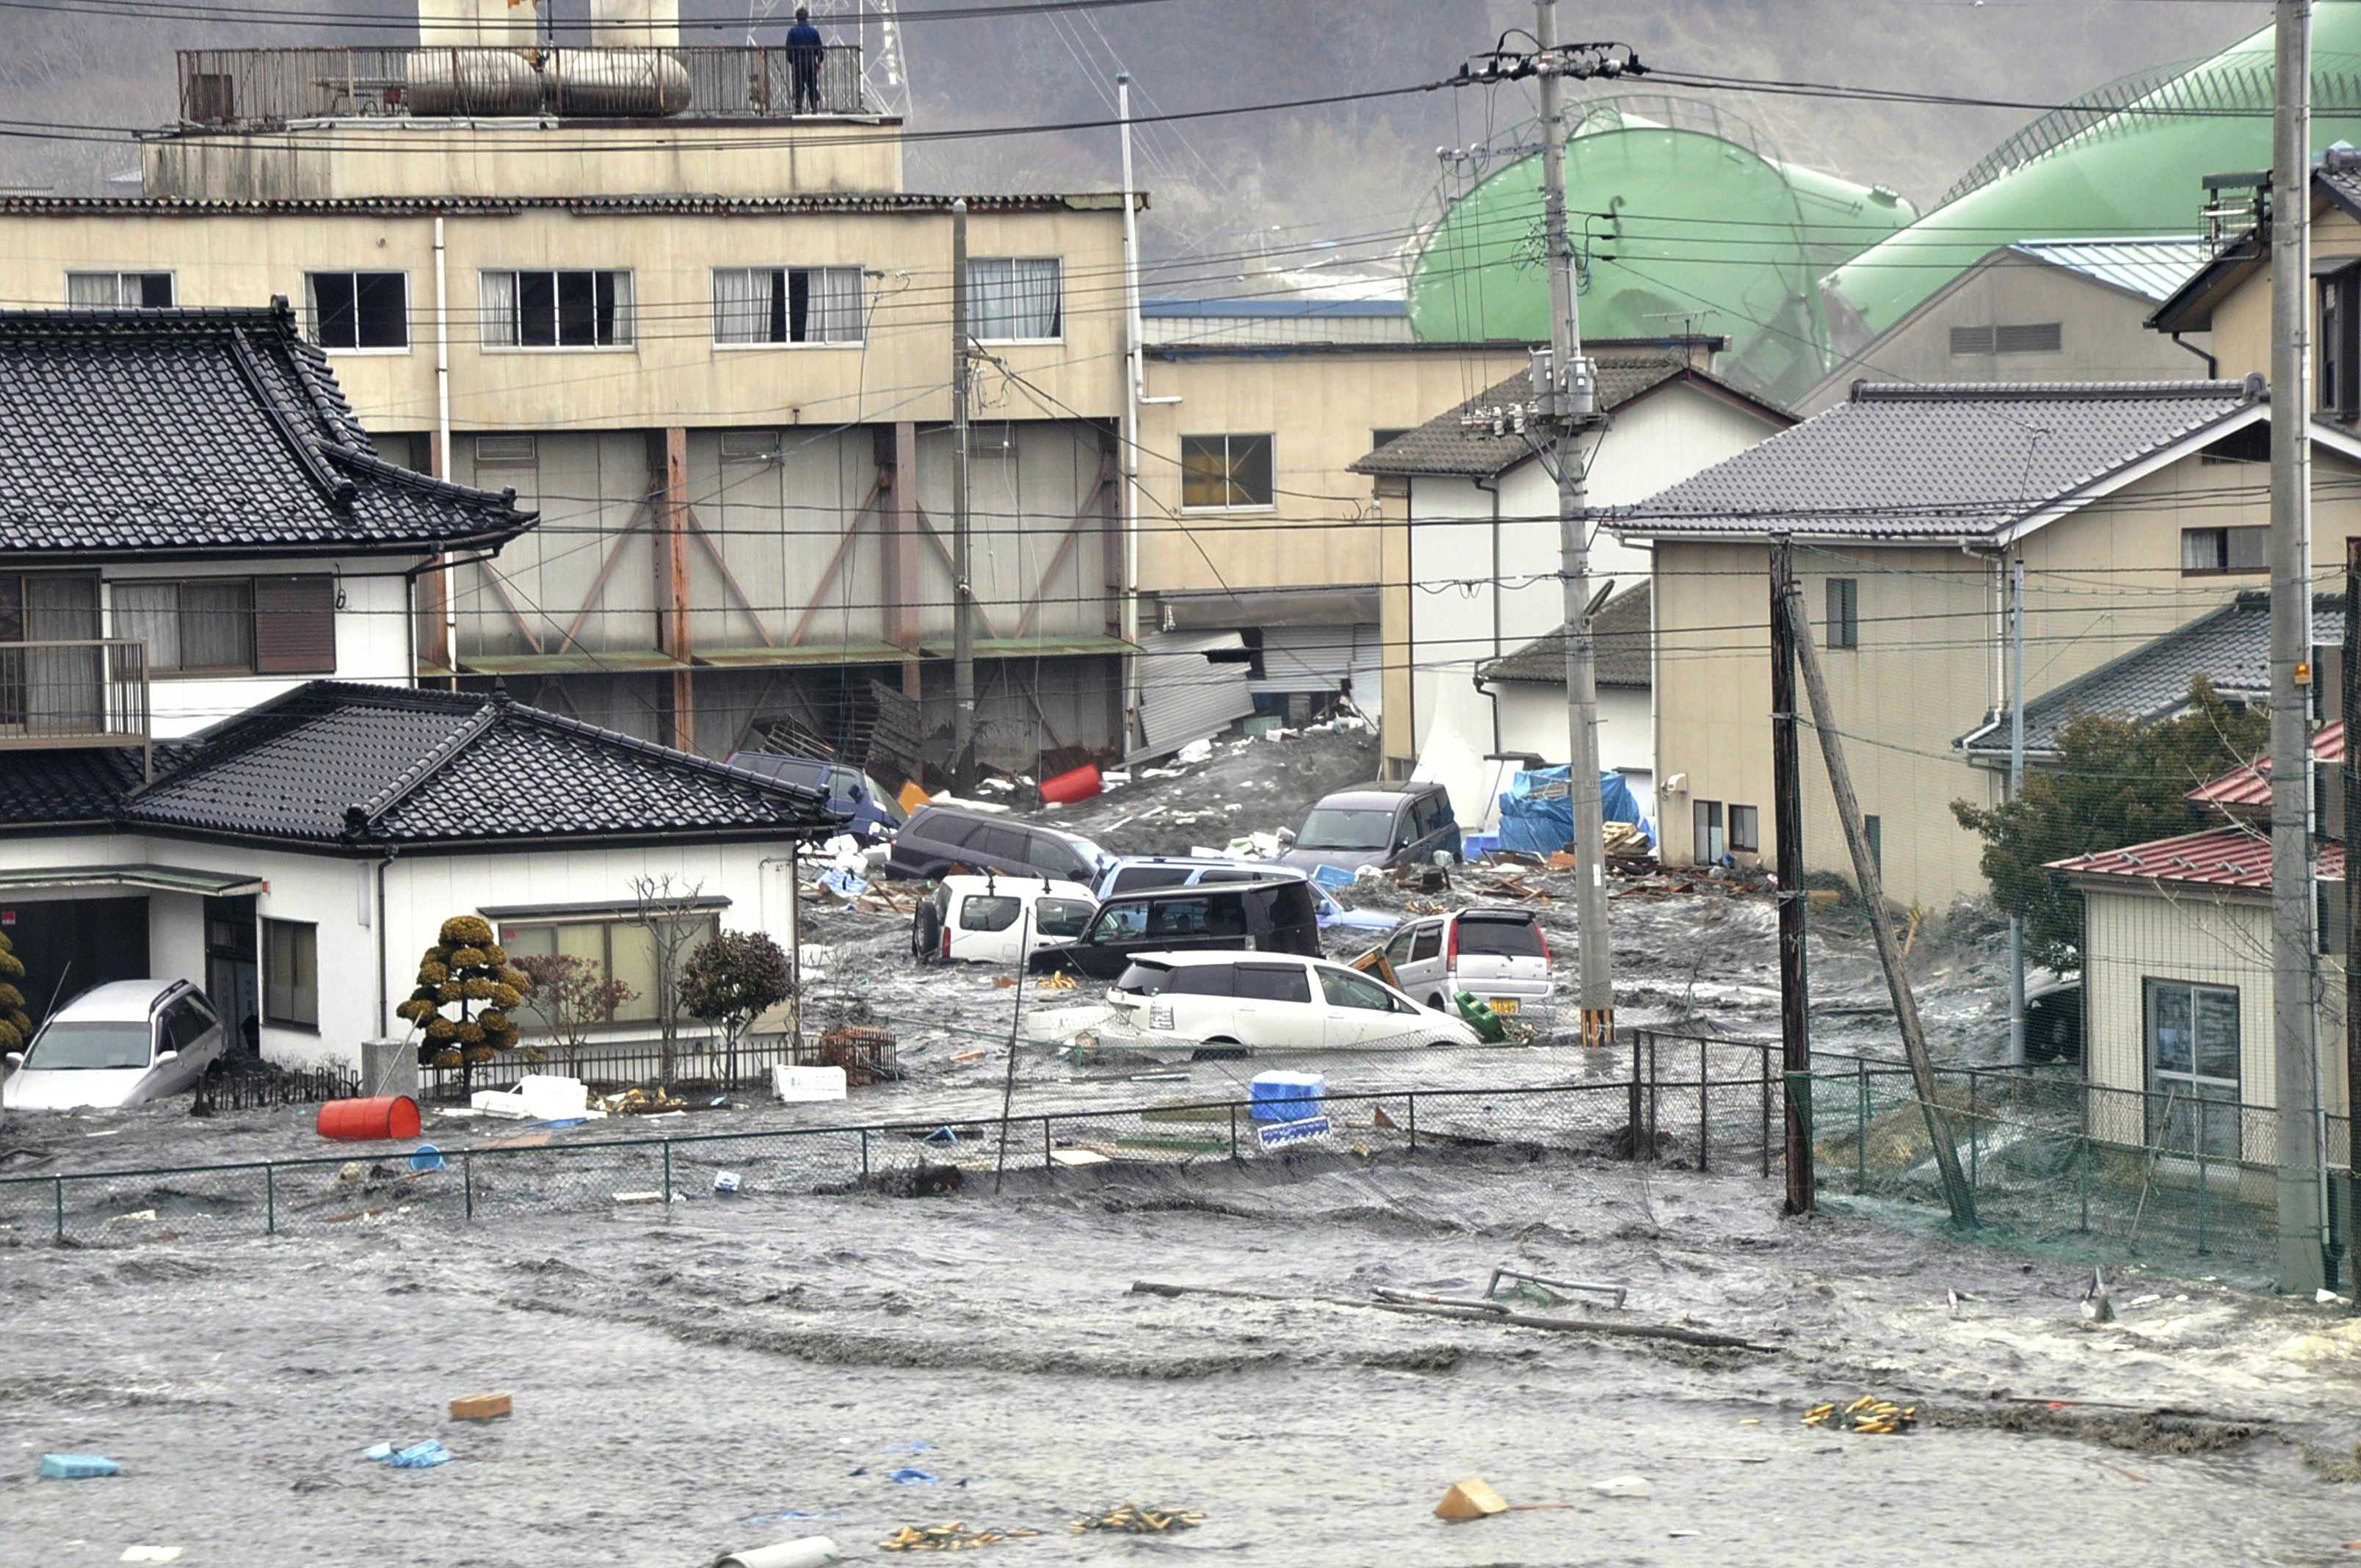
(2295, 1053)
(1787, 827)
(1956, 1192)
(963, 583)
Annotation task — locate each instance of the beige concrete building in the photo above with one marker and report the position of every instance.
(698, 324)
(2133, 508)
(2040, 310)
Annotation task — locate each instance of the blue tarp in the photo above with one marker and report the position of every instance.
(1537, 813)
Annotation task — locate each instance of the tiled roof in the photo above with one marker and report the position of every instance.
(2248, 789)
(1620, 631)
(2152, 267)
(1903, 461)
(201, 432)
(2221, 858)
(349, 766)
(655, 204)
(2230, 647)
(1443, 446)
(54, 789)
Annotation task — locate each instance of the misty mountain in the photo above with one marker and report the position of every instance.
(1226, 184)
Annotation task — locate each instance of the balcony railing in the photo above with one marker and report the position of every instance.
(79, 692)
(251, 88)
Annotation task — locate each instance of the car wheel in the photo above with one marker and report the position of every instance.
(1440, 1002)
(1221, 1047)
(926, 934)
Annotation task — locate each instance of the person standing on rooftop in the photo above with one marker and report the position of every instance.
(804, 49)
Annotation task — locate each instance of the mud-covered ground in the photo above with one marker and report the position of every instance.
(683, 1383)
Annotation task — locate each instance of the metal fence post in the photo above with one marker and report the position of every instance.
(1637, 1130)
(1766, 1059)
(2204, 1187)
(468, 1180)
(58, 1192)
(1047, 1161)
(1860, 1129)
(269, 1200)
(1234, 1132)
(1413, 1124)
(1975, 1142)
(2082, 1146)
(865, 1157)
(1652, 1144)
(1705, 1101)
(667, 1174)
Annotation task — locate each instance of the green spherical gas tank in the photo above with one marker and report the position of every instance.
(1682, 220)
(2121, 163)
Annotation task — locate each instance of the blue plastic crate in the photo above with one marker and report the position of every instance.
(1286, 1096)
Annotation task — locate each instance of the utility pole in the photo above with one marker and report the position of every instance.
(1788, 827)
(2295, 1055)
(2349, 709)
(2015, 787)
(1569, 407)
(962, 584)
(1135, 386)
(1956, 1192)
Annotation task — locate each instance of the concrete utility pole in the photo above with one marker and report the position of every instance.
(2015, 787)
(1788, 827)
(2295, 1055)
(963, 585)
(1135, 386)
(1956, 1190)
(1569, 405)
(2350, 709)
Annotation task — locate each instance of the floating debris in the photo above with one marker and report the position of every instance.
(1132, 1519)
(1867, 1414)
(952, 1536)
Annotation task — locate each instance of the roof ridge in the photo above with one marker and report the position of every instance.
(527, 713)
(304, 447)
(1868, 391)
(365, 814)
(377, 468)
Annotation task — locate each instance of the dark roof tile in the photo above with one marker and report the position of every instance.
(1619, 630)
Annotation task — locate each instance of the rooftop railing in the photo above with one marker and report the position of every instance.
(73, 692)
(253, 88)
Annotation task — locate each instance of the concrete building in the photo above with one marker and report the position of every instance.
(706, 335)
(2040, 310)
(1471, 549)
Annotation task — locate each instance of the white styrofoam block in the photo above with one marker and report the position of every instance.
(798, 1083)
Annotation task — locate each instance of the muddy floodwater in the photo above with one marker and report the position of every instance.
(693, 1382)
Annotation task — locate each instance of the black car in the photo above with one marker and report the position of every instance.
(1274, 916)
(940, 839)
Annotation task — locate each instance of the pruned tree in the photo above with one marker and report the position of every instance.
(16, 1027)
(573, 995)
(468, 971)
(733, 978)
(671, 915)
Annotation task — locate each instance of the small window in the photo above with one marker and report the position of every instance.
(507, 451)
(1397, 946)
(988, 912)
(1136, 878)
(1345, 989)
(357, 310)
(143, 291)
(185, 1026)
(1706, 821)
(1052, 856)
(1873, 830)
(1200, 979)
(191, 625)
(2193, 1067)
(996, 843)
(1426, 942)
(1012, 299)
(1272, 982)
(1745, 830)
(750, 445)
(1220, 472)
(1146, 978)
(620, 945)
(1062, 916)
(1844, 613)
(1489, 937)
(762, 306)
(555, 310)
(1386, 433)
(2213, 550)
(2340, 341)
(291, 973)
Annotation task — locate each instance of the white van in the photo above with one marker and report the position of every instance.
(1500, 955)
(993, 919)
(1271, 1001)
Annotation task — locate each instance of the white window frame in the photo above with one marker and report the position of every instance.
(1225, 437)
(312, 312)
(2158, 1080)
(629, 316)
(1057, 261)
(118, 274)
(858, 341)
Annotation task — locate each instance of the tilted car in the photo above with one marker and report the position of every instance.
(1269, 915)
(1376, 824)
(1499, 955)
(124, 1043)
(997, 919)
(1254, 1002)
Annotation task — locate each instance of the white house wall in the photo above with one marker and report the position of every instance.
(1532, 718)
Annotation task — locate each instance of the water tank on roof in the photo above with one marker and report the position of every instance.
(616, 84)
(2125, 159)
(472, 81)
(1683, 219)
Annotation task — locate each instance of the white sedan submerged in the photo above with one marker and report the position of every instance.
(124, 1043)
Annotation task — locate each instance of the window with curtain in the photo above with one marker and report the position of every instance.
(147, 290)
(193, 624)
(1219, 471)
(55, 690)
(357, 310)
(555, 310)
(764, 305)
(620, 947)
(1011, 297)
(291, 973)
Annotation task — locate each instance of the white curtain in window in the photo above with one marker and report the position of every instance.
(151, 612)
(835, 305)
(988, 297)
(94, 289)
(617, 286)
(741, 305)
(1033, 305)
(496, 301)
(217, 624)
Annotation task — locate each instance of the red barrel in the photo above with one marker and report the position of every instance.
(361, 1121)
(1067, 788)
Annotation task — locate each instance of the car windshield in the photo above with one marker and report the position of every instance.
(1343, 828)
(74, 1042)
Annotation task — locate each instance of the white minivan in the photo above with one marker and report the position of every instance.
(1499, 955)
(1271, 1001)
(994, 919)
